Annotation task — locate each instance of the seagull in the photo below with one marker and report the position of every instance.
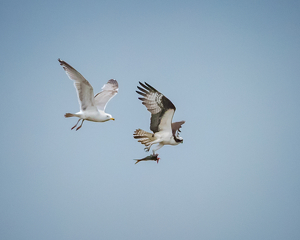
(162, 110)
(91, 108)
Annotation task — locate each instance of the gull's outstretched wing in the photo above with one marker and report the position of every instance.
(109, 90)
(160, 107)
(84, 89)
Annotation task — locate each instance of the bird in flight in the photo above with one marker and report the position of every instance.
(162, 110)
(92, 108)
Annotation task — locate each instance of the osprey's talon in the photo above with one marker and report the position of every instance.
(146, 149)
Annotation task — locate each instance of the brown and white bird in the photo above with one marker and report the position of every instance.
(162, 110)
(92, 108)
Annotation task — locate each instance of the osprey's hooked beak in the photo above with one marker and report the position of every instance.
(112, 119)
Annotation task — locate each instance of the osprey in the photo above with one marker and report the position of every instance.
(91, 108)
(162, 110)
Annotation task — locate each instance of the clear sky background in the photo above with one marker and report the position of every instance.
(232, 69)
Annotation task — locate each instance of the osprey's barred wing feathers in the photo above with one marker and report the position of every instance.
(160, 107)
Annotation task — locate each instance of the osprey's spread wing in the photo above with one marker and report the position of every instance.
(109, 90)
(84, 89)
(160, 107)
(176, 130)
(176, 127)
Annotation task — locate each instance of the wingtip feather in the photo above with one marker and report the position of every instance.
(144, 86)
(152, 88)
(143, 94)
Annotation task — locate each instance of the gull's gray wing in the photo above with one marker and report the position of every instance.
(84, 89)
(109, 90)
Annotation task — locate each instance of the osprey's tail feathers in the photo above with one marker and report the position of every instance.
(144, 137)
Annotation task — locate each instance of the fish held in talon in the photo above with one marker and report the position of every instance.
(151, 157)
(92, 108)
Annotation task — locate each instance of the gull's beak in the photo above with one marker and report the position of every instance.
(112, 119)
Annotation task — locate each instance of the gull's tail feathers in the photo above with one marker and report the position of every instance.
(67, 115)
(144, 137)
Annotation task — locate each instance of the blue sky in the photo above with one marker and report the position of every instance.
(231, 68)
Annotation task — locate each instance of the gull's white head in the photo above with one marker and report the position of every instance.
(108, 117)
